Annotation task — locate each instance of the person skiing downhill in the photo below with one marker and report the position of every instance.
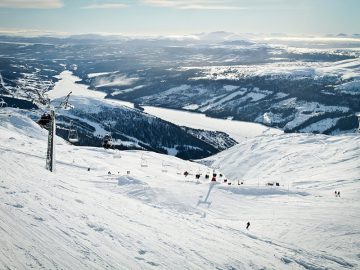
(248, 225)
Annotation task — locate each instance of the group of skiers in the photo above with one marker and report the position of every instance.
(213, 177)
(337, 193)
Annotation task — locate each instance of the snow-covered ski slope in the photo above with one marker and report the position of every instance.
(318, 162)
(152, 219)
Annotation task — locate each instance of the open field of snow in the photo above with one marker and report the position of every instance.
(155, 218)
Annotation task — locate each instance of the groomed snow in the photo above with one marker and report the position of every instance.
(154, 217)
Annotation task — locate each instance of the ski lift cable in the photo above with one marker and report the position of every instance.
(65, 103)
(78, 124)
(112, 128)
(47, 87)
(94, 118)
(36, 112)
(99, 121)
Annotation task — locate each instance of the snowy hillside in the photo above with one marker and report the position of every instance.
(294, 96)
(94, 116)
(151, 218)
(304, 84)
(318, 162)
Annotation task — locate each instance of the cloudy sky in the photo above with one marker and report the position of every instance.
(158, 17)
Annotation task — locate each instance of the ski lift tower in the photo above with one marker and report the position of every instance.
(50, 156)
(358, 116)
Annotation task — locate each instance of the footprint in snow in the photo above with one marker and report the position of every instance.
(79, 201)
(142, 252)
(15, 205)
(39, 218)
(153, 263)
(96, 228)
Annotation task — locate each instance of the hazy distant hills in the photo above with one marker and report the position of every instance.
(299, 85)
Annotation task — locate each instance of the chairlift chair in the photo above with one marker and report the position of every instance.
(178, 170)
(45, 120)
(164, 165)
(143, 161)
(73, 135)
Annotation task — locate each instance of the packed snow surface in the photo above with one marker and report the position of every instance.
(136, 210)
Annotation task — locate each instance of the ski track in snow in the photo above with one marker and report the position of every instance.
(152, 218)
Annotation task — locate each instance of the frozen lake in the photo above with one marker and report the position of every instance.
(238, 130)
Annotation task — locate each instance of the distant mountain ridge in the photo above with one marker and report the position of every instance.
(285, 83)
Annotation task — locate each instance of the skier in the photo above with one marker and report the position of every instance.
(338, 193)
(248, 225)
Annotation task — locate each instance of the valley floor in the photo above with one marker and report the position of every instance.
(147, 215)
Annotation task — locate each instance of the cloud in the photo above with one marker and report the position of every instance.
(31, 32)
(106, 6)
(196, 4)
(41, 4)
